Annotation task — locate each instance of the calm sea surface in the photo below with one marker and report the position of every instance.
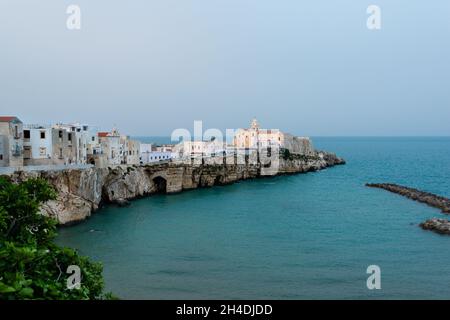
(291, 237)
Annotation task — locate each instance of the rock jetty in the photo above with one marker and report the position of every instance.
(416, 195)
(441, 226)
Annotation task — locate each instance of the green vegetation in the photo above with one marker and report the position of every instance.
(32, 266)
(286, 154)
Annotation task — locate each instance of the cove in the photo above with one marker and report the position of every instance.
(304, 236)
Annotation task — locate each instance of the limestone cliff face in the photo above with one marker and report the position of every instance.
(306, 163)
(82, 191)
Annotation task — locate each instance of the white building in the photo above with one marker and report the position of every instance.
(156, 156)
(255, 138)
(150, 153)
(11, 142)
(193, 149)
(133, 149)
(145, 149)
(110, 144)
(93, 145)
(78, 136)
(37, 144)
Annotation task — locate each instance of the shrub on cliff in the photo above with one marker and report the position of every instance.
(286, 154)
(31, 265)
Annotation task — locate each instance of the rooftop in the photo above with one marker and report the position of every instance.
(103, 134)
(8, 119)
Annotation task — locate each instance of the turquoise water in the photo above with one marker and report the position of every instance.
(306, 236)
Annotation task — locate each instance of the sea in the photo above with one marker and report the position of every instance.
(305, 236)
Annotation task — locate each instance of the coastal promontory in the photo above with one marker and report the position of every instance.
(82, 191)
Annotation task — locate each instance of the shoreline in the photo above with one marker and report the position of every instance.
(129, 201)
(81, 192)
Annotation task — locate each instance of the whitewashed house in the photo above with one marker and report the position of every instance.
(77, 141)
(150, 153)
(11, 142)
(111, 147)
(37, 144)
(133, 148)
(145, 149)
(193, 149)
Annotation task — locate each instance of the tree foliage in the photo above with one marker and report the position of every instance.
(32, 266)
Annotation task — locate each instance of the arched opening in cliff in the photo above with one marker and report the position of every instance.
(219, 180)
(160, 184)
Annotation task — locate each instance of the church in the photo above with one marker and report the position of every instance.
(255, 137)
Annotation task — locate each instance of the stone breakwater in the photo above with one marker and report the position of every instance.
(441, 226)
(416, 195)
(83, 191)
(437, 225)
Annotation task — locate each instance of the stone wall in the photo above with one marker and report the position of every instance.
(298, 145)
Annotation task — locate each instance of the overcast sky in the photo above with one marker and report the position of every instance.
(307, 67)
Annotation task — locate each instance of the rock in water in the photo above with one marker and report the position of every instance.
(441, 226)
(437, 225)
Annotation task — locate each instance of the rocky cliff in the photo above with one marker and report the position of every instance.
(82, 191)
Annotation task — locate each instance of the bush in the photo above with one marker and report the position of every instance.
(286, 154)
(32, 266)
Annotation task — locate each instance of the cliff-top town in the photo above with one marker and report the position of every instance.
(79, 144)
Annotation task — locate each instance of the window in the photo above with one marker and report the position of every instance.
(69, 137)
(1, 157)
(16, 131)
(93, 138)
(60, 153)
(42, 151)
(26, 134)
(42, 134)
(60, 134)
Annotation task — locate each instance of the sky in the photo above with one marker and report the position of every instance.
(148, 67)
